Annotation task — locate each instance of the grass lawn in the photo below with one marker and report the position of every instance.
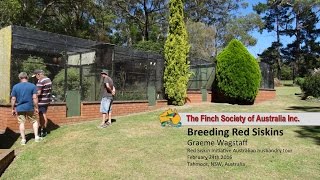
(137, 147)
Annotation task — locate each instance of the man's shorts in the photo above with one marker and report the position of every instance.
(43, 109)
(106, 105)
(23, 116)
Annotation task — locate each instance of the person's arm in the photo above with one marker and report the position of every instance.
(39, 88)
(108, 87)
(113, 91)
(13, 103)
(39, 92)
(35, 102)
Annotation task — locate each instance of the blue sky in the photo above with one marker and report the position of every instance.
(265, 39)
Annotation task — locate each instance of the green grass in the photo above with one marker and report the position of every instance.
(137, 147)
(287, 82)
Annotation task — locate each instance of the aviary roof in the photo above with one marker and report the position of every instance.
(28, 39)
(51, 43)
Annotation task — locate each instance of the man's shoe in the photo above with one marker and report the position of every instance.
(43, 134)
(108, 123)
(23, 142)
(104, 125)
(37, 139)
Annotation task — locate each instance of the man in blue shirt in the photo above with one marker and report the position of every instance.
(24, 104)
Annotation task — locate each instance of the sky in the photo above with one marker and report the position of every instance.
(265, 39)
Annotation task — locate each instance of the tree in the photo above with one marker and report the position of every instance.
(304, 50)
(271, 56)
(177, 71)
(89, 19)
(138, 19)
(9, 12)
(219, 14)
(201, 39)
(295, 19)
(238, 74)
(274, 16)
(149, 46)
(33, 63)
(239, 28)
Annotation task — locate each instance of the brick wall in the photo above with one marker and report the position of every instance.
(265, 95)
(89, 111)
(196, 96)
(5, 114)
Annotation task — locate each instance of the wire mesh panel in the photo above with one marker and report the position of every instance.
(74, 64)
(203, 74)
(66, 60)
(134, 71)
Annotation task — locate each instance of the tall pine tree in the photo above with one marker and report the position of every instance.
(176, 49)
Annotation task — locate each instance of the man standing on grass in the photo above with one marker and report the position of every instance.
(107, 93)
(24, 104)
(44, 86)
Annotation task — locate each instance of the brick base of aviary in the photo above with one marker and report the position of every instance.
(263, 95)
(89, 111)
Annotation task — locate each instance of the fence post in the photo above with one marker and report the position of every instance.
(204, 94)
(73, 101)
(151, 95)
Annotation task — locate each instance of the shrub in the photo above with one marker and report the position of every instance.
(238, 74)
(33, 63)
(299, 81)
(311, 86)
(286, 72)
(176, 49)
(73, 83)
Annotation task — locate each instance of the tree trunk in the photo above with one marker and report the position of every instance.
(297, 58)
(146, 24)
(278, 50)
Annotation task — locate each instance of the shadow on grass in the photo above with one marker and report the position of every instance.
(52, 126)
(304, 108)
(8, 138)
(310, 132)
(289, 85)
(112, 120)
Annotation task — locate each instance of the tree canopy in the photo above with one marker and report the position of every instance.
(298, 20)
(129, 23)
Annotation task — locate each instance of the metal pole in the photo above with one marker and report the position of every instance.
(81, 71)
(112, 63)
(65, 76)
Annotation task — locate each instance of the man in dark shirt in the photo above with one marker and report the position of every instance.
(44, 86)
(24, 103)
(107, 93)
